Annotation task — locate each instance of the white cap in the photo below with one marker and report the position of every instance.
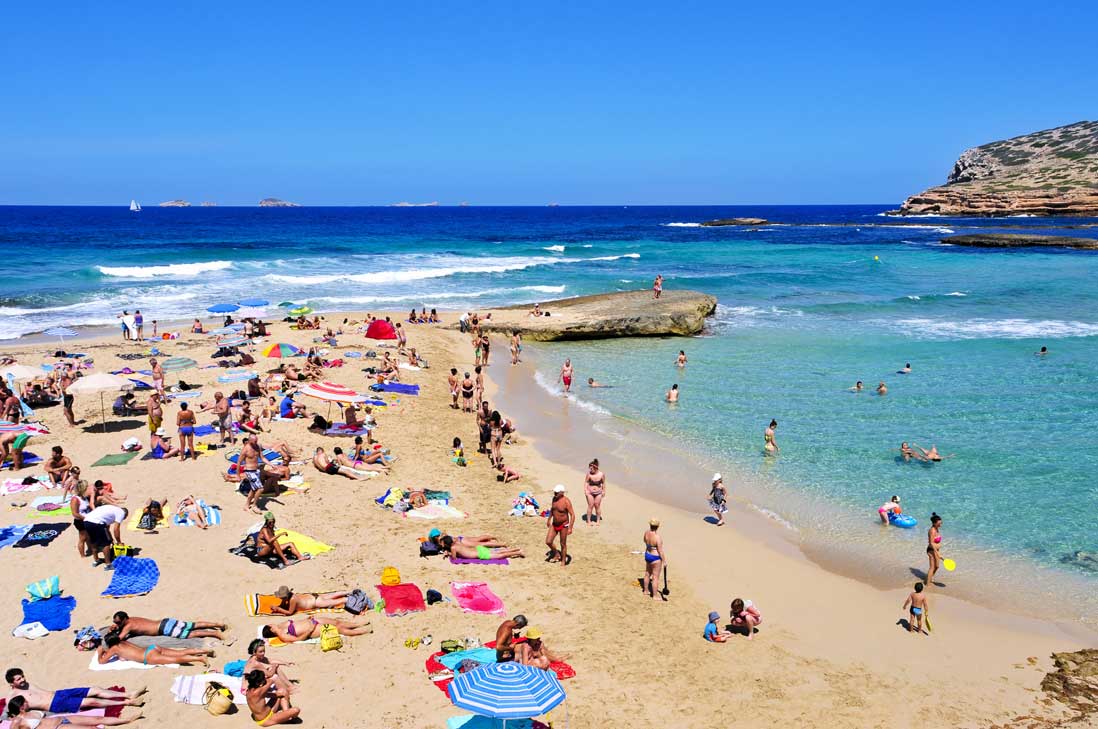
(161, 432)
(558, 489)
(716, 477)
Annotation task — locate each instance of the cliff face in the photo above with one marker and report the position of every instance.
(1053, 172)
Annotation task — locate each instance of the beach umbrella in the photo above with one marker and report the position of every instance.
(100, 382)
(222, 308)
(301, 311)
(332, 392)
(233, 340)
(506, 690)
(279, 349)
(60, 332)
(177, 364)
(252, 312)
(287, 303)
(380, 329)
(253, 302)
(231, 329)
(20, 372)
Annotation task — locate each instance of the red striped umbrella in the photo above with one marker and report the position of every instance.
(332, 392)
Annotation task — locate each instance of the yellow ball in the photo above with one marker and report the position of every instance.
(876, 258)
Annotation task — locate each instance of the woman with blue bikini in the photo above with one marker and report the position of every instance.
(654, 559)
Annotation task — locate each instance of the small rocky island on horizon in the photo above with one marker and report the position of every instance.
(175, 204)
(1046, 173)
(274, 202)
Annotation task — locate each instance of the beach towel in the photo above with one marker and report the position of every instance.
(201, 431)
(116, 459)
(237, 377)
(140, 384)
(192, 689)
(29, 459)
(40, 535)
(435, 511)
(396, 387)
(54, 613)
(258, 604)
(476, 597)
(186, 395)
(462, 560)
(340, 430)
(441, 676)
(133, 524)
(402, 599)
(132, 576)
(39, 508)
(302, 542)
(471, 721)
(480, 655)
(212, 513)
(247, 548)
(118, 664)
(271, 455)
(9, 535)
(16, 486)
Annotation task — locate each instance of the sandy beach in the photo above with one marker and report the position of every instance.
(829, 653)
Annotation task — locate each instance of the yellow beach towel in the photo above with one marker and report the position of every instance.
(135, 519)
(304, 543)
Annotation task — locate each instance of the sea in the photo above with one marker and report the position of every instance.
(824, 297)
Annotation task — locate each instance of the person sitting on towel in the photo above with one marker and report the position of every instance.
(533, 652)
(309, 627)
(269, 705)
(67, 701)
(151, 655)
(300, 602)
(459, 550)
(127, 625)
(266, 542)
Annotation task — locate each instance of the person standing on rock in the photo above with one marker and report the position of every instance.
(565, 377)
(657, 286)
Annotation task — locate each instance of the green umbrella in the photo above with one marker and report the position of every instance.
(177, 364)
(287, 303)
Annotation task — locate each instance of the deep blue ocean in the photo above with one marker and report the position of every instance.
(830, 296)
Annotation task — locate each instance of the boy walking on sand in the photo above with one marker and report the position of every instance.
(917, 605)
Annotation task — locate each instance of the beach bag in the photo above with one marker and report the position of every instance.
(330, 639)
(428, 549)
(45, 589)
(390, 576)
(451, 646)
(357, 602)
(123, 550)
(218, 699)
(147, 522)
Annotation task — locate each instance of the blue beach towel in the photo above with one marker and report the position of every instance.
(270, 455)
(204, 430)
(213, 516)
(9, 535)
(396, 387)
(54, 613)
(186, 395)
(132, 576)
(480, 655)
(29, 459)
(140, 384)
(237, 377)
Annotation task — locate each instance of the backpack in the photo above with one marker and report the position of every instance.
(330, 639)
(357, 602)
(428, 549)
(390, 576)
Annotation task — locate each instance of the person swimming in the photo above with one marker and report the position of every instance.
(672, 394)
(905, 370)
(858, 387)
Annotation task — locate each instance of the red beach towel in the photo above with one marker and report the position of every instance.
(402, 599)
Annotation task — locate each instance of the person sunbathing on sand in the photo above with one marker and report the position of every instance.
(23, 717)
(300, 602)
(272, 669)
(484, 540)
(128, 625)
(372, 461)
(67, 701)
(322, 463)
(189, 509)
(115, 648)
(309, 627)
(460, 550)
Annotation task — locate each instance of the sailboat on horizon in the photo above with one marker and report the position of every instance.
(135, 207)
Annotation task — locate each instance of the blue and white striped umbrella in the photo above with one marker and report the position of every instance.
(61, 332)
(233, 340)
(506, 690)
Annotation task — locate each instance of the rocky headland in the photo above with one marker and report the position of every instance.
(734, 221)
(1020, 240)
(274, 202)
(604, 316)
(175, 204)
(1052, 172)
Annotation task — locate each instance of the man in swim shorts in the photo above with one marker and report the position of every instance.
(13, 444)
(156, 412)
(68, 701)
(562, 517)
(168, 627)
(505, 638)
(566, 375)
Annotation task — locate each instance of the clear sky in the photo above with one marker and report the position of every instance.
(524, 103)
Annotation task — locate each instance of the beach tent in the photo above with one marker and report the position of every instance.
(380, 329)
(100, 382)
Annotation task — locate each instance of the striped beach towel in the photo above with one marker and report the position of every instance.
(256, 604)
(213, 515)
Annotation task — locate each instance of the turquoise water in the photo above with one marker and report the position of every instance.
(805, 310)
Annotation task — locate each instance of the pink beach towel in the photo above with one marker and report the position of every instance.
(476, 597)
(402, 599)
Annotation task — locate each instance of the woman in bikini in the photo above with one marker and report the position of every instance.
(186, 421)
(933, 547)
(272, 669)
(322, 463)
(769, 444)
(300, 602)
(189, 509)
(496, 422)
(468, 387)
(267, 703)
(293, 631)
(594, 487)
(151, 655)
(23, 717)
(653, 560)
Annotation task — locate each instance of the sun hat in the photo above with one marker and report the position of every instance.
(533, 634)
(716, 477)
(558, 489)
(160, 431)
(434, 533)
(268, 516)
(282, 592)
(712, 616)
(654, 522)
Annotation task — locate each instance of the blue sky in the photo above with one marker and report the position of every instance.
(524, 103)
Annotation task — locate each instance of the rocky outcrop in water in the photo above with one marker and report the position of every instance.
(1052, 172)
(734, 221)
(1020, 240)
(603, 316)
(274, 202)
(175, 204)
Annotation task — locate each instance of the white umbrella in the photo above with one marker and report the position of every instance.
(20, 372)
(100, 382)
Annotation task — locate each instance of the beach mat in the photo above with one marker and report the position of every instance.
(132, 576)
(212, 513)
(120, 665)
(61, 507)
(9, 535)
(54, 613)
(116, 459)
(256, 604)
(16, 486)
(29, 459)
(462, 560)
(302, 542)
(435, 511)
(192, 689)
(476, 597)
(40, 535)
(396, 387)
(135, 520)
(402, 599)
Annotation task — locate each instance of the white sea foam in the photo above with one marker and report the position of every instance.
(994, 328)
(956, 293)
(432, 296)
(681, 225)
(775, 517)
(553, 388)
(172, 269)
(588, 245)
(554, 249)
(914, 298)
(614, 258)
